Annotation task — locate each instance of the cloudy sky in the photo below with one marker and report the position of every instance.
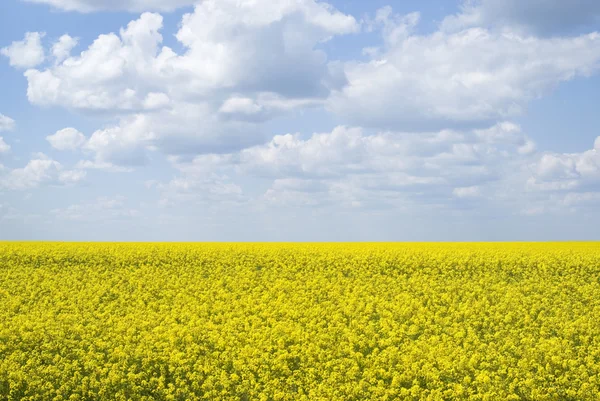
(299, 120)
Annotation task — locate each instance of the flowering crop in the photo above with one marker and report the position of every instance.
(90, 321)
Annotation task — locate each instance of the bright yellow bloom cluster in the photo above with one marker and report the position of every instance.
(274, 322)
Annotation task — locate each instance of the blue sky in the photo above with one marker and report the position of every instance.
(255, 120)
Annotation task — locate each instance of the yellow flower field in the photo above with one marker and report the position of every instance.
(90, 321)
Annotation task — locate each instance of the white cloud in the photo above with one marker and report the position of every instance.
(350, 150)
(4, 147)
(39, 170)
(240, 105)
(156, 100)
(496, 168)
(350, 167)
(466, 78)
(243, 63)
(263, 107)
(423, 117)
(122, 145)
(67, 139)
(26, 53)
(32, 175)
(568, 171)
(187, 129)
(6, 123)
(261, 46)
(102, 165)
(544, 17)
(103, 76)
(61, 49)
(395, 28)
(527, 148)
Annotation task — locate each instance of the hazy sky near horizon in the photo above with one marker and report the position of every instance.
(299, 120)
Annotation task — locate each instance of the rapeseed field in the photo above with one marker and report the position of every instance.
(116, 321)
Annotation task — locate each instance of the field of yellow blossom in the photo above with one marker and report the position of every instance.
(213, 321)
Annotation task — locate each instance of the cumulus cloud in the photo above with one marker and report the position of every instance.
(261, 46)
(39, 170)
(471, 77)
(6, 123)
(109, 75)
(4, 147)
(26, 53)
(245, 47)
(66, 139)
(427, 115)
(242, 64)
(263, 106)
(86, 6)
(496, 168)
(350, 150)
(186, 130)
(578, 172)
(97, 79)
(61, 49)
(349, 166)
(543, 17)
(240, 105)
(102, 165)
(156, 100)
(122, 145)
(394, 27)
